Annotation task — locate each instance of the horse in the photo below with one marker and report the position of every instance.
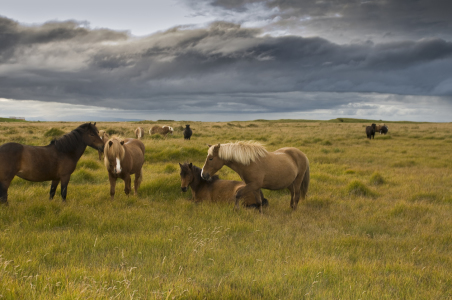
(139, 132)
(384, 129)
(370, 131)
(163, 130)
(122, 159)
(187, 132)
(215, 189)
(54, 162)
(104, 137)
(287, 167)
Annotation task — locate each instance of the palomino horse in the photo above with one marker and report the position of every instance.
(54, 162)
(284, 168)
(163, 130)
(104, 137)
(122, 159)
(139, 132)
(215, 189)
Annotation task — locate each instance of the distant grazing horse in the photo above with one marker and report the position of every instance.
(163, 130)
(54, 162)
(370, 131)
(284, 168)
(384, 129)
(187, 132)
(215, 189)
(104, 137)
(139, 132)
(122, 159)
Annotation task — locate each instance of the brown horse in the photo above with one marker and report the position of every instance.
(284, 168)
(163, 130)
(104, 137)
(139, 132)
(215, 189)
(54, 162)
(122, 159)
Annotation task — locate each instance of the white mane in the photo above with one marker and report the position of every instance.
(243, 152)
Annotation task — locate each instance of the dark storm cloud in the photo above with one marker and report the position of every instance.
(220, 68)
(344, 20)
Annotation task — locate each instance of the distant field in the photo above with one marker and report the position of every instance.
(376, 224)
(11, 120)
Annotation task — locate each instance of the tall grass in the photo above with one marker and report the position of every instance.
(376, 223)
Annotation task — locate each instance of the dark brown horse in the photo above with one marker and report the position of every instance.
(54, 162)
(370, 131)
(215, 190)
(284, 168)
(122, 159)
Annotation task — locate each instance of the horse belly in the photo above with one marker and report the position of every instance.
(38, 165)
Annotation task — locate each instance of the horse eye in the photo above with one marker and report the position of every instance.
(211, 158)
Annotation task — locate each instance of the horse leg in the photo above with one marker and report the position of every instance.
(300, 186)
(292, 194)
(138, 179)
(249, 188)
(112, 185)
(4, 185)
(127, 184)
(64, 183)
(53, 188)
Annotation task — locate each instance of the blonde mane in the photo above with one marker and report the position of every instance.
(243, 152)
(113, 151)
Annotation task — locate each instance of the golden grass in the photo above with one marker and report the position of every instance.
(376, 224)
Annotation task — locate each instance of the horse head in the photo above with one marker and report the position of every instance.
(91, 136)
(213, 162)
(186, 176)
(114, 153)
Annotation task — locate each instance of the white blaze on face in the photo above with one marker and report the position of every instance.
(118, 166)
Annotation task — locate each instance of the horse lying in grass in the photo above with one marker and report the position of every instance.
(215, 189)
(122, 159)
(284, 168)
(163, 130)
(139, 132)
(54, 162)
(104, 137)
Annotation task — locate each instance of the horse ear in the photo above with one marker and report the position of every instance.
(110, 143)
(94, 123)
(218, 145)
(122, 142)
(209, 145)
(190, 165)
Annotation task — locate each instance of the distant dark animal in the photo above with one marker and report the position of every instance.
(122, 159)
(187, 132)
(370, 131)
(163, 130)
(384, 129)
(54, 162)
(215, 189)
(104, 137)
(139, 132)
(284, 168)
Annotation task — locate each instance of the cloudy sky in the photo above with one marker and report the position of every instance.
(221, 60)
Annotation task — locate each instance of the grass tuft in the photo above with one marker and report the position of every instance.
(376, 179)
(357, 188)
(53, 132)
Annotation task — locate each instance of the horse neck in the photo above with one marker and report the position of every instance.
(197, 182)
(235, 166)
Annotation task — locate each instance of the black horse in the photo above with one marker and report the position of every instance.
(54, 162)
(370, 131)
(384, 129)
(187, 132)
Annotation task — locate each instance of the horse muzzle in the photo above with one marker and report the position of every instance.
(206, 177)
(101, 148)
(184, 189)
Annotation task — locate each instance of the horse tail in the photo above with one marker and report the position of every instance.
(3, 197)
(305, 183)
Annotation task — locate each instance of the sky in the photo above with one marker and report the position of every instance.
(224, 60)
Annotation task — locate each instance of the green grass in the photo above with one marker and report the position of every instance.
(376, 223)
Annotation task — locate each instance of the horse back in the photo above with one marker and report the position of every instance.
(134, 155)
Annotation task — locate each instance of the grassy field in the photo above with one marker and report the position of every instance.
(376, 224)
